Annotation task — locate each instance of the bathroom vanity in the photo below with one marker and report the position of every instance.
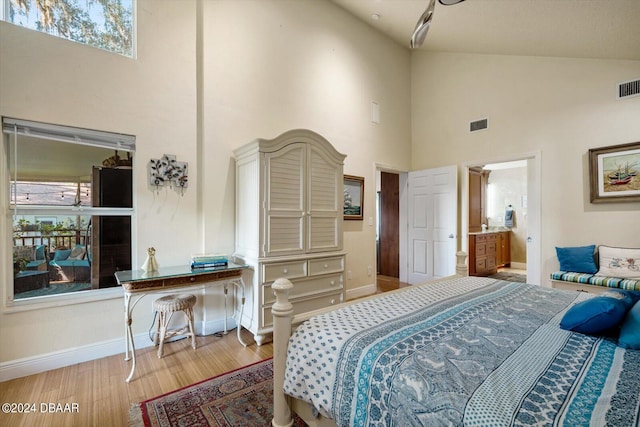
(488, 250)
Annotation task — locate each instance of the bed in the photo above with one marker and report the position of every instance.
(457, 351)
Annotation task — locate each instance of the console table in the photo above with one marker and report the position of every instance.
(172, 279)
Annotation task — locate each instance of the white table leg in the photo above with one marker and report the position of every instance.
(130, 344)
(240, 285)
(226, 291)
(129, 335)
(127, 324)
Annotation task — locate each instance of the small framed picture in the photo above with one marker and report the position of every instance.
(353, 197)
(614, 173)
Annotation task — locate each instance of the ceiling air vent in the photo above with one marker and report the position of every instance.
(628, 89)
(478, 125)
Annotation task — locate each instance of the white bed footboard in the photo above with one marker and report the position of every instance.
(283, 323)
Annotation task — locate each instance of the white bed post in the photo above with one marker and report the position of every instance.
(282, 311)
(461, 264)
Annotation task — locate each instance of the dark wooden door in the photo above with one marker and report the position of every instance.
(110, 235)
(389, 225)
(475, 199)
(478, 179)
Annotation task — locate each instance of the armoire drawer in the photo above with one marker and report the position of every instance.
(304, 305)
(326, 265)
(305, 287)
(287, 269)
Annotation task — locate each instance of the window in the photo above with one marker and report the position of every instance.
(71, 204)
(105, 24)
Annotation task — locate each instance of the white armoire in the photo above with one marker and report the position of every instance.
(289, 213)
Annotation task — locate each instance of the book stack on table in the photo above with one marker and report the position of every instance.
(209, 261)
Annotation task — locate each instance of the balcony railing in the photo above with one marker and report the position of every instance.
(59, 239)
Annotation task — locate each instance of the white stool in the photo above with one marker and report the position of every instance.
(169, 305)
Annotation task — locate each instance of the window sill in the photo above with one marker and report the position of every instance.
(51, 301)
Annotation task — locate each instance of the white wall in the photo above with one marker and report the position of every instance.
(555, 106)
(279, 65)
(209, 77)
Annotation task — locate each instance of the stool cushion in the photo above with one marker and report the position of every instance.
(171, 303)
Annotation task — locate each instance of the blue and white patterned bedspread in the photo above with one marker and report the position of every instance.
(468, 351)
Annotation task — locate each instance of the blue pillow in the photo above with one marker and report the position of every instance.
(61, 254)
(630, 331)
(40, 251)
(598, 314)
(579, 259)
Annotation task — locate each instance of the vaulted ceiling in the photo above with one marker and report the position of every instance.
(602, 29)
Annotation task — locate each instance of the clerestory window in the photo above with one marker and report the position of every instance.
(105, 24)
(70, 202)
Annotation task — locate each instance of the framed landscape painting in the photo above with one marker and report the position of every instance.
(614, 173)
(353, 196)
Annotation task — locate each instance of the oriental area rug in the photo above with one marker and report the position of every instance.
(243, 397)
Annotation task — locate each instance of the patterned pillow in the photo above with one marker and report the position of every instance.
(619, 262)
(78, 252)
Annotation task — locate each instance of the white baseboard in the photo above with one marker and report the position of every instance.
(362, 291)
(519, 265)
(58, 359)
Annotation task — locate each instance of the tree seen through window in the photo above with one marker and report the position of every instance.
(106, 24)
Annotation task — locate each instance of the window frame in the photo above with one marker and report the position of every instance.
(67, 134)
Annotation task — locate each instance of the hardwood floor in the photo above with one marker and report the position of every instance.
(97, 394)
(387, 283)
(100, 393)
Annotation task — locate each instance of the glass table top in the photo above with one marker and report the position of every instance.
(131, 276)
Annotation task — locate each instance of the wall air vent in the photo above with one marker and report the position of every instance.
(628, 89)
(478, 125)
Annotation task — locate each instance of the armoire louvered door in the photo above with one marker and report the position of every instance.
(302, 206)
(285, 204)
(324, 204)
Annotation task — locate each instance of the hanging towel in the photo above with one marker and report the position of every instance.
(508, 217)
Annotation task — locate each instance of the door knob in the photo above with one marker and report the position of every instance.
(451, 236)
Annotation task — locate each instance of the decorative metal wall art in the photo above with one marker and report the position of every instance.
(167, 171)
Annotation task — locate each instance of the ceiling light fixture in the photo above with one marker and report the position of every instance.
(420, 31)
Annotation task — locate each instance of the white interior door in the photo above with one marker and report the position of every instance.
(432, 223)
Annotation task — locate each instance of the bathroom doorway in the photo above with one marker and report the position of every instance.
(503, 197)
